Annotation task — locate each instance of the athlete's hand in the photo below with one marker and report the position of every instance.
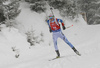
(50, 30)
(63, 27)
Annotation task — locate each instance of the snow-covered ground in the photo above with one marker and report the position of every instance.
(86, 39)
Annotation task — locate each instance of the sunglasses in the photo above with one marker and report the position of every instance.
(51, 17)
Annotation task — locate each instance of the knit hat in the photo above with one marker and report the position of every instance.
(51, 16)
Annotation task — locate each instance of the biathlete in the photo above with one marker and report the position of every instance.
(54, 27)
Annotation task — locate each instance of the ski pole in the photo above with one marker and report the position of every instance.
(69, 26)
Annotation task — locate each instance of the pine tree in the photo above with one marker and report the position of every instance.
(90, 7)
(37, 5)
(11, 11)
(71, 8)
(2, 17)
(66, 7)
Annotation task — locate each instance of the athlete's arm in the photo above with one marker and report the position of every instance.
(63, 26)
(49, 26)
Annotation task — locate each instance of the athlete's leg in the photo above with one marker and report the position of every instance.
(62, 36)
(55, 42)
(55, 36)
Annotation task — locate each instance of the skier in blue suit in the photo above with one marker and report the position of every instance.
(54, 27)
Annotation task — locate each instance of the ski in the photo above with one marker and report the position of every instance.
(54, 59)
(78, 54)
(57, 58)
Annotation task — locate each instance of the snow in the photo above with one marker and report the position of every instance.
(84, 37)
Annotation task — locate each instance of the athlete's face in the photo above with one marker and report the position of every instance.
(51, 19)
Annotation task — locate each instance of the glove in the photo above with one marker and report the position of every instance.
(63, 27)
(50, 30)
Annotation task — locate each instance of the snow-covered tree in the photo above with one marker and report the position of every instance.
(37, 5)
(90, 7)
(2, 17)
(10, 10)
(66, 7)
(32, 39)
(71, 8)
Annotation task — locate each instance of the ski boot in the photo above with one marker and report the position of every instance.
(76, 51)
(58, 54)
